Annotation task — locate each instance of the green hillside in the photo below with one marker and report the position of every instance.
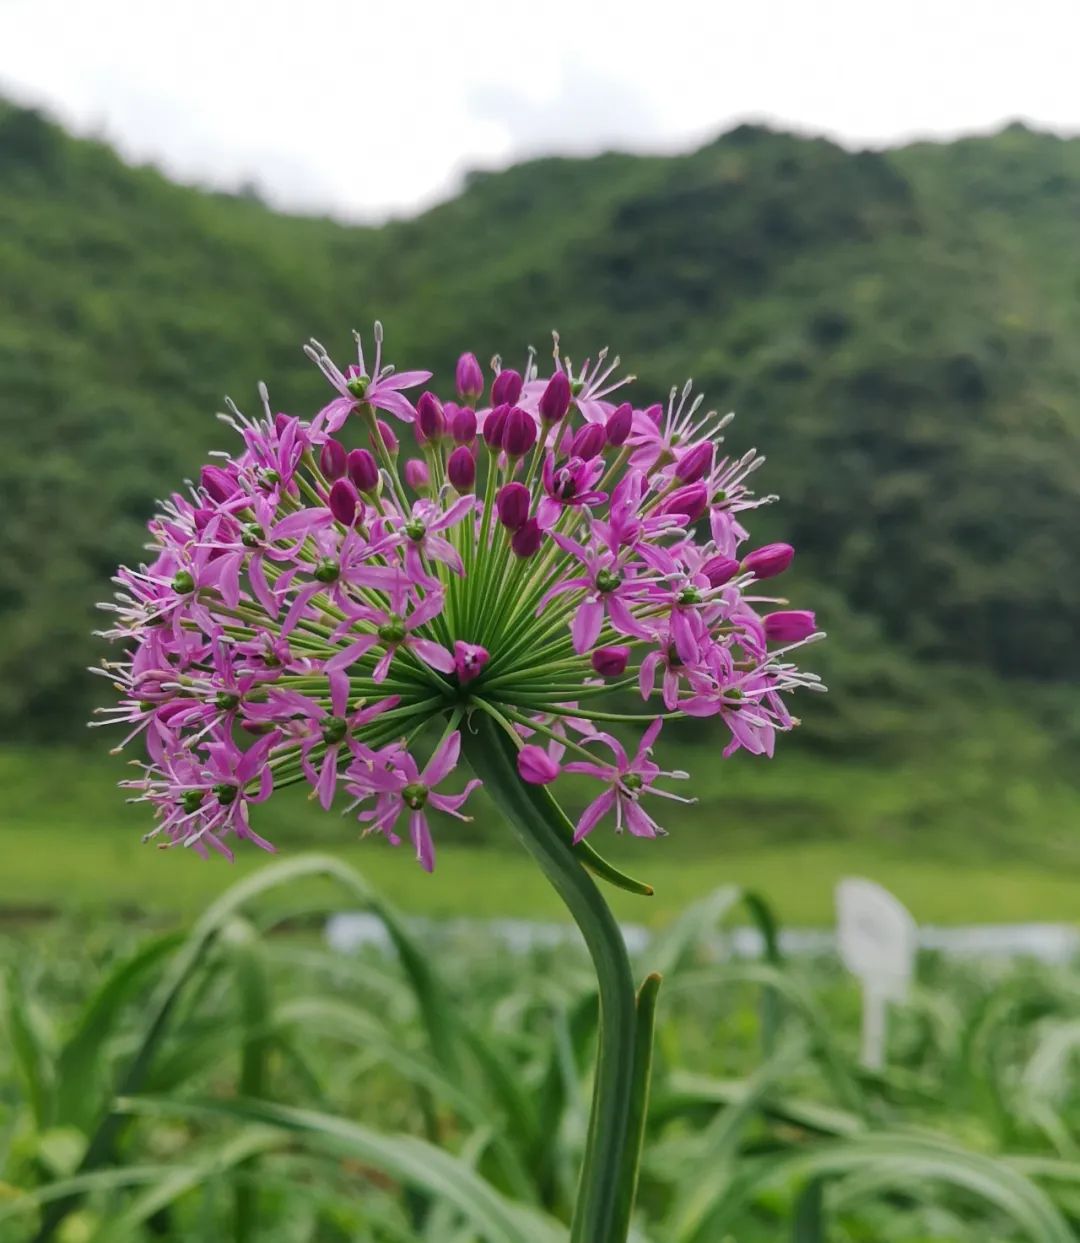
(897, 331)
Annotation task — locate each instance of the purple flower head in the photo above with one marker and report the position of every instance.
(535, 765)
(526, 540)
(627, 780)
(769, 560)
(332, 460)
(696, 462)
(506, 389)
(399, 788)
(690, 502)
(430, 420)
(519, 432)
(363, 470)
(494, 423)
(462, 425)
(387, 437)
(512, 502)
(469, 378)
(611, 662)
(381, 388)
(619, 423)
(417, 475)
(720, 570)
(219, 484)
(590, 442)
(344, 503)
(524, 586)
(469, 660)
(555, 399)
(461, 468)
(790, 626)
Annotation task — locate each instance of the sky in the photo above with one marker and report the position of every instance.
(364, 110)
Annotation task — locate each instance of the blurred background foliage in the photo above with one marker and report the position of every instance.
(896, 330)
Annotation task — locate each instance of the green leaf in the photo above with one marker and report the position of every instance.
(412, 1161)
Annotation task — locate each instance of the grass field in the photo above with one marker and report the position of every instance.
(956, 848)
(94, 872)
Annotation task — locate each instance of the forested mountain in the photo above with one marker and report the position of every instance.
(897, 331)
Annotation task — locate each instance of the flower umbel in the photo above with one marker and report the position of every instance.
(317, 612)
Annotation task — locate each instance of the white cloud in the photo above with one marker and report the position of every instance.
(364, 108)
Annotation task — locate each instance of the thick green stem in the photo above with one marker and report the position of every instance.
(601, 1214)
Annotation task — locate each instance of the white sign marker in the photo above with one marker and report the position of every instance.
(877, 939)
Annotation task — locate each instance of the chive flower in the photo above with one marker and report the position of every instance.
(315, 612)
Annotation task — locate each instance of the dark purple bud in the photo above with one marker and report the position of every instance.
(344, 502)
(611, 662)
(417, 475)
(332, 460)
(525, 542)
(219, 484)
(590, 441)
(619, 423)
(430, 420)
(281, 422)
(461, 468)
(691, 501)
(469, 660)
(535, 766)
(506, 389)
(791, 626)
(387, 436)
(493, 426)
(769, 560)
(512, 504)
(555, 399)
(362, 470)
(720, 570)
(696, 462)
(519, 432)
(469, 377)
(462, 423)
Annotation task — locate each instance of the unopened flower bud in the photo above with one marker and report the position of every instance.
(469, 660)
(769, 560)
(590, 441)
(461, 469)
(535, 766)
(430, 420)
(611, 662)
(696, 462)
(218, 483)
(691, 501)
(512, 504)
(619, 424)
(417, 475)
(362, 470)
(281, 422)
(555, 399)
(387, 436)
(462, 423)
(494, 423)
(790, 626)
(469, 378)
(519, 432)
(526, 540)
(720, 570)
(507, 388)
(344, 502)
(332, 460)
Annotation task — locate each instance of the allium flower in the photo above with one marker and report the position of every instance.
(314, 613)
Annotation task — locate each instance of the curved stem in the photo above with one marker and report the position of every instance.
(600, 1215)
